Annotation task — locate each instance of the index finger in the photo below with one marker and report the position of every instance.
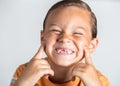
(88, 60)
(39, 53)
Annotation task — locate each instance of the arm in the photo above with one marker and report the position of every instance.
(35, 69)
(87, 72)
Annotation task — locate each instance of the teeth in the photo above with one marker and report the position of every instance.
(59, 50)
(64, 51)
(69, 51)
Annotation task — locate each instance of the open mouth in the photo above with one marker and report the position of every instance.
(64, 51)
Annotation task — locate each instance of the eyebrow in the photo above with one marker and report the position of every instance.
(80, 28)
(54, 25)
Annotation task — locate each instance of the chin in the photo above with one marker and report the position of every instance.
(64, 63)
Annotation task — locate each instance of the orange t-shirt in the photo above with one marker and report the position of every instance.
(45, 82)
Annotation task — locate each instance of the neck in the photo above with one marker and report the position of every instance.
(61, 74)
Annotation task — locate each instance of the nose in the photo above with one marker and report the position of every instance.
(64, 38)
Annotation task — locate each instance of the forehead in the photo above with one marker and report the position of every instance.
(69, 14)
(69, 10)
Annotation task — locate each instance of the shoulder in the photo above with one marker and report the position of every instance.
(103, 79)
(17, 73)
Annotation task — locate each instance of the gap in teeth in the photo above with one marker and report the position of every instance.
(65, 51)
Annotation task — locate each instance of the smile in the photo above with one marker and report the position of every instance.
(64, 51)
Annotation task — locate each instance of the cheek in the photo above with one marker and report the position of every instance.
(80, 43)
(49, 41)
(50, 37)
(48, 46)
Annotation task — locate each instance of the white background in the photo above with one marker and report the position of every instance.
(20, 25)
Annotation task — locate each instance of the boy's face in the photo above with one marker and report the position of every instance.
(67, 33)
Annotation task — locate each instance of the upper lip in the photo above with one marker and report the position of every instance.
(72, 49)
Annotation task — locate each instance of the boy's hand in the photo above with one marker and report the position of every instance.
(86, 71)
(36, 68)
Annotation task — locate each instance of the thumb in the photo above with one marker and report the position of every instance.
(88, 60)
(39, 53)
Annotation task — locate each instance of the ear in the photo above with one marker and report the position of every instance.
(93, 45)
(42, 37)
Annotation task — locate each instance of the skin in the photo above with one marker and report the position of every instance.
(68, 28)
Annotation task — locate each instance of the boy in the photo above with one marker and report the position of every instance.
(68, 39)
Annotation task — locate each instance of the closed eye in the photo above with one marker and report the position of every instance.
(78, 33)
(56, 31)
